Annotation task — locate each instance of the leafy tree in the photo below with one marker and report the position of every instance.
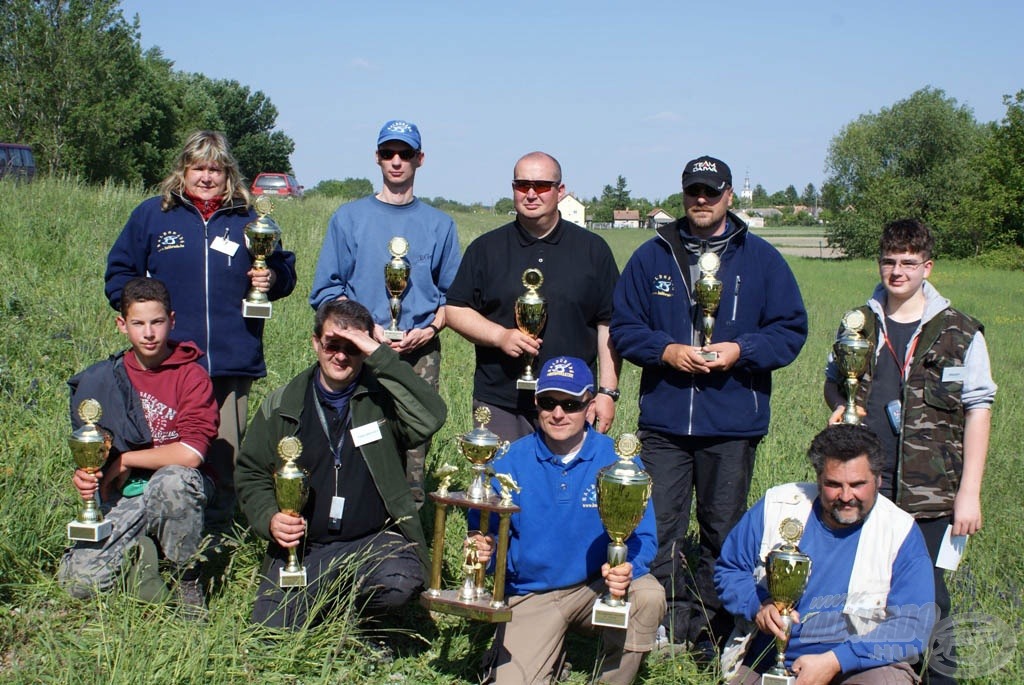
(673, 204)
(350, 188)
(809, 196)
(504, 206)
(759, 196)
(617, 197)
(791, 196)
(778, 199)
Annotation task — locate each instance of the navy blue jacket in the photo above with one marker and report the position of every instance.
(761, 310)
(206, 286)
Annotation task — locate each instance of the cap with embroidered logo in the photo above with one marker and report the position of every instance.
(397, 129)
(714, 173)
(570, 375)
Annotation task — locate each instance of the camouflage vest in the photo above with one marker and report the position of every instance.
(931, 445)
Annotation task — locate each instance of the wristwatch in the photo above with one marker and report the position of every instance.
(614, 394)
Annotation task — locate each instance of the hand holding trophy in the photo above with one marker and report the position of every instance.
(90, 446)
(852, 351)
(788, 570)
(262, 235)
(623, 490)
(531, 315)
(291, 488)
(396, 280)
(707, 292)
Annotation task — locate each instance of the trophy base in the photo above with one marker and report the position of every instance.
(448, 602)
(772, 679)
(608, 616)
(256, 310)
(89, 532)
(523, 384)
(709, 356)
(393, 335)
(292, 578)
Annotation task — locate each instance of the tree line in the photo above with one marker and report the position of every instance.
(77, 86)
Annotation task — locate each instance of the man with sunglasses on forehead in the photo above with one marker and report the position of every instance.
(928, 396)
(355, 251)
(704, 408)
(579, 273)
(557, 557)
(355, 412)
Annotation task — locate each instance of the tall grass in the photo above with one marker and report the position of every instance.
(54, 320)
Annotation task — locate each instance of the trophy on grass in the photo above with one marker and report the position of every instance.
(262, 234)
(396, 280)
(707, 291)
(291, 488)
(787, 569)
(852, 352)
(472, 600)
(90, 446)
(623, 489)
(531, 315)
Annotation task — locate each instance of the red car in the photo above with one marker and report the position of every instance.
(276, 185)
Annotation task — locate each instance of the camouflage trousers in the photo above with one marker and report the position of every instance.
(426, 362)
(170, 510)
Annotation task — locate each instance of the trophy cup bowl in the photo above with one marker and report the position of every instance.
(707, 292)
(291, 489)
(623, 490)
(90, 447)
(396, 280)
(787, 570)
(853, 352)
(479, 446)
(531, 315)
(262, 234)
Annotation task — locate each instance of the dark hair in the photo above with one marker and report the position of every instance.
(144, 290)
(845, 442)
(345, 313)
(906, 235)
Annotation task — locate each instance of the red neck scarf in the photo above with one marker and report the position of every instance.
(206, 207)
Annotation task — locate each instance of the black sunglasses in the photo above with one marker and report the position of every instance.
(568, 406)
(386, 155)
(540, 187)
(697, 190)
(334, 346)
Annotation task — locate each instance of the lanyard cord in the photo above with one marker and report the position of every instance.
(906, 362)
(336, 450)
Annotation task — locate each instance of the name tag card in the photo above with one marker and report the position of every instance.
(366, 433)
(228, 247)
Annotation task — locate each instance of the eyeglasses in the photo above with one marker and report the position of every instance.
(539, 187)
(697, 190)
(568, 406)
(336, 345)
(887, 264)
(387, 155)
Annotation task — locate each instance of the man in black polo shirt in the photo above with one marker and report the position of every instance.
(579, 277)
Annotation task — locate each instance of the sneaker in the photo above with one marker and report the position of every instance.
(188, 594)
(661, 638)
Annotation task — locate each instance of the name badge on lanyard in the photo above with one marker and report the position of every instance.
(369, 432)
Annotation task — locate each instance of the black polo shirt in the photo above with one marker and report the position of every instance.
(579, 277)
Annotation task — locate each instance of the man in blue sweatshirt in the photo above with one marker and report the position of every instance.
(557, 558)
(869, 603)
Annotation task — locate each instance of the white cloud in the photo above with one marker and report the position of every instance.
(361, 63)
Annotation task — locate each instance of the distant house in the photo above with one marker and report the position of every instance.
(766, 212)
(626, 218)
(750, 221)
(573, 210)
(658, 217)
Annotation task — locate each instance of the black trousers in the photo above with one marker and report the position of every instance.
(378, 572)
(942, 648)
(719, 471)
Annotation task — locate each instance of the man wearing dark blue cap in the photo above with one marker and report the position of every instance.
(704, 407)
(557, 558)
(355, 252)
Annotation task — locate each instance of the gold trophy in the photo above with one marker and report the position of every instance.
(623, 490)
(262, 235)
(531, 315)
(707, 291)
(291, 488)
(472, 600)
(787, 569)
(396, 279)
(852, 352)
(90, 446)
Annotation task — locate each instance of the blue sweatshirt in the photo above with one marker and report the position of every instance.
(558, 540)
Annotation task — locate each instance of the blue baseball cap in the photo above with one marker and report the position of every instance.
(397, 129)
(570, 375)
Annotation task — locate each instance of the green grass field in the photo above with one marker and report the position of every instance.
(54, 321)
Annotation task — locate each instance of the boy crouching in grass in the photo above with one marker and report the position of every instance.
(159, 406)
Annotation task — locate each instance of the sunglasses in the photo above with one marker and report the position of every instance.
(568, 406)
(698, 190)
(336, 345)
(539, 187)
(386, 155)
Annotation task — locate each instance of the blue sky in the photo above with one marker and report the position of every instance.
(610, 88)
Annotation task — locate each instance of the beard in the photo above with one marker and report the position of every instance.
(848, 513)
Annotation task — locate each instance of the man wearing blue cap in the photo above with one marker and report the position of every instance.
(557, 558)
(355, 252)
